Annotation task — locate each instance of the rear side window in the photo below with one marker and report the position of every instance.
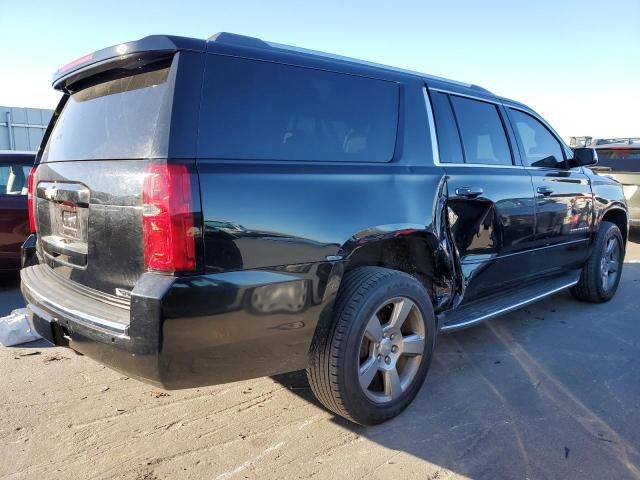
(540, 147)
(619, 159)
(125, 117)
(449, 145)
(483, 137)
(13, 178)
(260, 110)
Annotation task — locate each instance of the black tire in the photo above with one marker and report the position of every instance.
(591, 287)
(335, 372)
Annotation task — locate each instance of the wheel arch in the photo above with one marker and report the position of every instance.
(420, 248)
(619, 217)
(413, 249)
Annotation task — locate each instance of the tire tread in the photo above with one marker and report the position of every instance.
(588, 287)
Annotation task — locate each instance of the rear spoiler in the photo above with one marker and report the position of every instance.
(102, 59)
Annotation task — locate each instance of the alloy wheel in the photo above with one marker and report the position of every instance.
(610, 264)
(391, 350)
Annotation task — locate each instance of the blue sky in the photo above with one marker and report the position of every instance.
(575, 62)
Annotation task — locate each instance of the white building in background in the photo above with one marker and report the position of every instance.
(22, 128)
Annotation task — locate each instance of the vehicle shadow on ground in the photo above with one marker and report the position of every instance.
(528, 395)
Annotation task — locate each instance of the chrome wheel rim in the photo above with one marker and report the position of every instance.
(391, 350)
(610, 264)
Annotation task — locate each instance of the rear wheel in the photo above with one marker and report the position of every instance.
(601, 275)
(378, 351)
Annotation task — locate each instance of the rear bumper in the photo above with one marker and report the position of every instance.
(104, 332)
(182, 332)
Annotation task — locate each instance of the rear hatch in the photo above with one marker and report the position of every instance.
(623, 164)
(108, 149)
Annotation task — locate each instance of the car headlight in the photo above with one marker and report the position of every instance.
(629, 191)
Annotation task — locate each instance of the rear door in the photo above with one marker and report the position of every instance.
(108, 130)
(490, 197)
(14, 226)
(564, 202)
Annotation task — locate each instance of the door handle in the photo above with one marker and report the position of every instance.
(545, 191)
(469, 192)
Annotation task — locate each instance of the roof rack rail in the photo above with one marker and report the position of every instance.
(245, 41)
(227, 38)
(365, 63)
(482, 89)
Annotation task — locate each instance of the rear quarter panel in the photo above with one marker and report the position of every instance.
(265, 215)
(274, 230)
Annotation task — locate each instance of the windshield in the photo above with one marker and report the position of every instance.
(125, 117)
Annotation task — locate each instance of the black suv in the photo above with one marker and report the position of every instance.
(209, 211)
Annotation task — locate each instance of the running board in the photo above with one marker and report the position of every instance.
(481, 310)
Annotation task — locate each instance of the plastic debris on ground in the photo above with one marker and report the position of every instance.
(15, 329)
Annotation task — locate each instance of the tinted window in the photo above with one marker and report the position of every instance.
(618, 159)
(483, 137)
(541, 148)
(125, 117)
(448, 137)
(261, 110)
(13, 178)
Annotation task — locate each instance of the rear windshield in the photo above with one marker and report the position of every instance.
(619, 160)
(126, 117)
(268, 111)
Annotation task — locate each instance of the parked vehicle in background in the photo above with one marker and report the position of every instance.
(619, 158)
(602, 142)
(210, 211)
(580, 142)
(14, 221)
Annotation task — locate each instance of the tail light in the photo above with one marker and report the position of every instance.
(168, 219)
(31, 200)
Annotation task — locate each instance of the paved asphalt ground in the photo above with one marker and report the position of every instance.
(549, 391)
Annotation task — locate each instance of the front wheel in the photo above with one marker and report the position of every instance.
(601, 274)
(378, 351)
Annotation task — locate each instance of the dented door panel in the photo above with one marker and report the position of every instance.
(492, 231)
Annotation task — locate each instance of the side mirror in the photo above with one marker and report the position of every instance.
(583, 157)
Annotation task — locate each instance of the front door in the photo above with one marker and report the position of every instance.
(564, 201)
